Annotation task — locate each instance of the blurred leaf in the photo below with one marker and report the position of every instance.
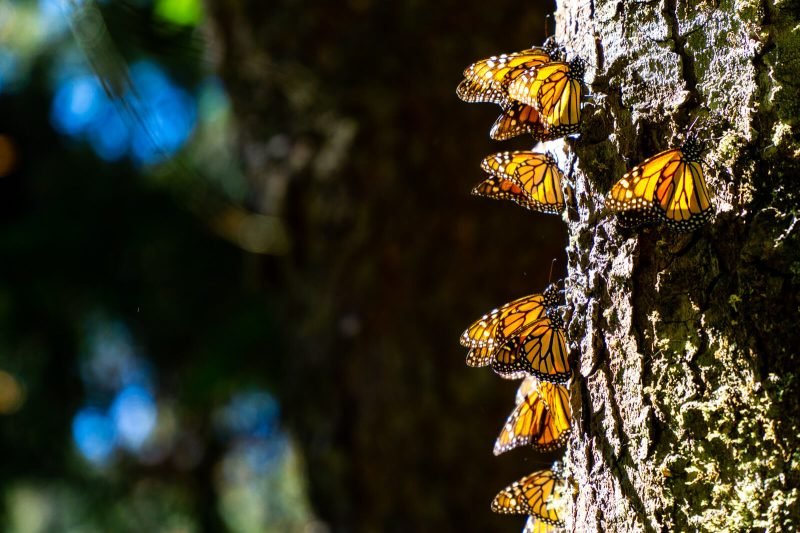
(181, 12)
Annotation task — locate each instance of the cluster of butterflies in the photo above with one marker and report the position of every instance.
(525, 338)
(540, 94)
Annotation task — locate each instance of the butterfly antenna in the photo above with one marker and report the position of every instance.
(691, 126)
(552, 264)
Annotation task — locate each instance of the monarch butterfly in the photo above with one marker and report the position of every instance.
(554, 89)
(493, 329)
(538, 176)
(534, 525)
(524, 336)
(542, 419)
(486, 80)
(667, 187)
(541, 352)
(538, 494)
(540, 349)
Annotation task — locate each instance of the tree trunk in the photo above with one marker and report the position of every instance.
(686, 402)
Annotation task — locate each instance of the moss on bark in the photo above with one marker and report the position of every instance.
(687, 344)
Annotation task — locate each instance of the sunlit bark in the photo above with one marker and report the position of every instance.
(687, 401)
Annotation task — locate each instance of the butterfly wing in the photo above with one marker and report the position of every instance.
(632, 197)
(525, 88)
(543, 352)
(556, 397)
(518, 119)
(536, 422)
(470, 90)
(560, 103)
(502, 189)
(536, 494)
(683, 196)
(508, 361)
(537, 174)
(487, 79)
(493, 329)
(666, 187)
(555, 92)
(540, 177)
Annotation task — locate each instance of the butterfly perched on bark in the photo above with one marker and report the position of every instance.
(525, 336)
(530, 179)
(555, 90)
(538, 494)
(668, 187)
(488, 80)
(541, 419)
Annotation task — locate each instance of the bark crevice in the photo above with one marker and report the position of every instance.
(690, 362)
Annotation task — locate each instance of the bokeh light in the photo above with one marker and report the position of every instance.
(12, 394)
(250, 414)
(94, 434)
(134, 414)
(8, 155)
(9, 69)
(261, 481)
(110, 142)
(112, 362)
(181, 12)
(76, 104)
(151, 121)
(53, 17)
(124, 412)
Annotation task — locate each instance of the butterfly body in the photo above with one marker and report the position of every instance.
(668, 187)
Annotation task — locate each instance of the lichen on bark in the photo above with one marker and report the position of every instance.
(687, 400)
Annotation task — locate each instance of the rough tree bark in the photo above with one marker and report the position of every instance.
(687, 401)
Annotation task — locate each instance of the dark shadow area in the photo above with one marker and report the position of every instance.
(233, 280)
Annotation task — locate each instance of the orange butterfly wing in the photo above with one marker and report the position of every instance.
(544, 352)
(538, 494)
(555, 90)
(539, 349)
(542, 420)
(518, 119)
(486, 80)
(537, 174)
(668, 187)
(498, 188)
(493, 329)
